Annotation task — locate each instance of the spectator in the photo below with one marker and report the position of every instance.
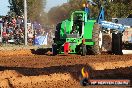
(5, 37)
(14, 22)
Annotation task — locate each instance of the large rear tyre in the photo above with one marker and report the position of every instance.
(84, 50)
(96, 38)
(117, 43)
(54, 49)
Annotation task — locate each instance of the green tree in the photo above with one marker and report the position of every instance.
(16, 6)
(113, 9)
(35, 8)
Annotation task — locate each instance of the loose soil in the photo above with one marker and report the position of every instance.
(28, 68)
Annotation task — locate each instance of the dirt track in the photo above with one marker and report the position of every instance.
(21, 68)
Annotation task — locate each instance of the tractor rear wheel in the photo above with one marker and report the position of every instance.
(84, 50)
(54, 49)
(96, 38)
(117, 43)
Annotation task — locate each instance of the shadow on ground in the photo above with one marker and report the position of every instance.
(40, 51)
(43, 51)
(75, 71)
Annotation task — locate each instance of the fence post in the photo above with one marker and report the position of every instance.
(25, 20)
(1, 30)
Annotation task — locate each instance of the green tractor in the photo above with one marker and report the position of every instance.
(82, 35)
(78, 35)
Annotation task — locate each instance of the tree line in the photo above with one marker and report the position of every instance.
(113, 8)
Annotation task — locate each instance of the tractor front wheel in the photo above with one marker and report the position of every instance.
(84, 50)
(54, 49)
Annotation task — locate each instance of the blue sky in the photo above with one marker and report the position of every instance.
(3, 7)
(50, 3)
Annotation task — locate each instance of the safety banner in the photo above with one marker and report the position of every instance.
(41, 40)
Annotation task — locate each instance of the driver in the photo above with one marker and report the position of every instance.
(77, 26)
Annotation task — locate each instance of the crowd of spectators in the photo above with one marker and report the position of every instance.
(13, 30)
